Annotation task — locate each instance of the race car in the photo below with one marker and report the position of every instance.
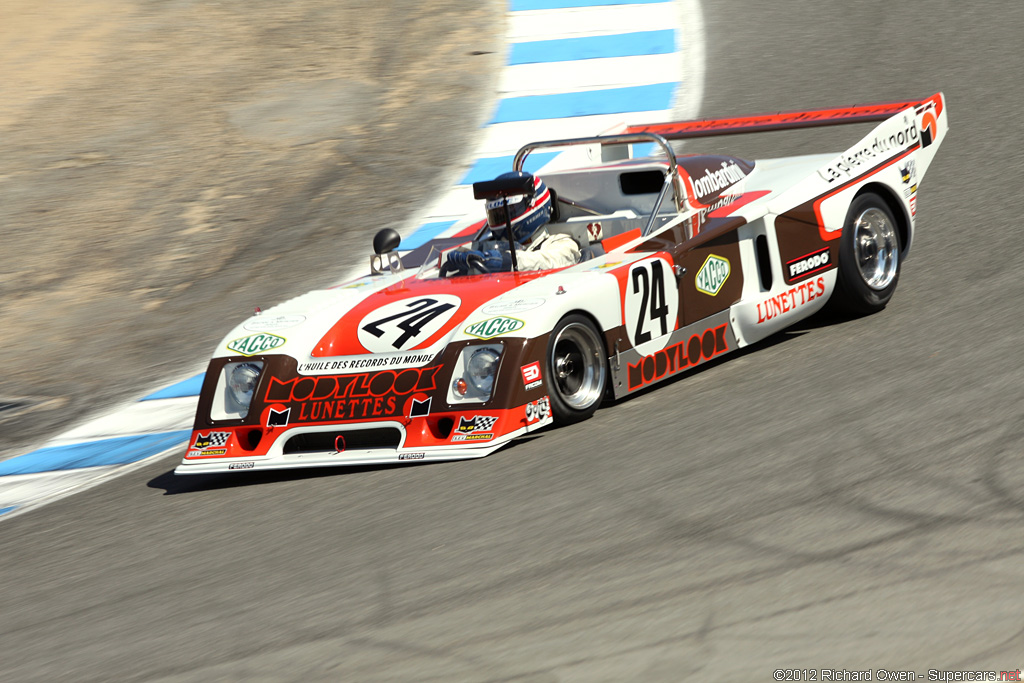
(683, 259)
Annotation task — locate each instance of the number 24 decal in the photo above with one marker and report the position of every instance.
(652, 301)
(404, 323)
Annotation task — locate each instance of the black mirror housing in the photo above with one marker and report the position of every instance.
(385, 241)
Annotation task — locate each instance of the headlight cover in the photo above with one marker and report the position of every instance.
(482, 369)
(235, 389)
(474, 374)
(242, 382)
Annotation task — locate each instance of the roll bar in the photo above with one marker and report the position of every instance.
(620, 139)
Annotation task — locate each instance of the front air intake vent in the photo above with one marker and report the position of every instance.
(351, 439)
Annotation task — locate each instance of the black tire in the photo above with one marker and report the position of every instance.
(869, 258)
(577, 369)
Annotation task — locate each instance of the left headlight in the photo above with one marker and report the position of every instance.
(235, 388)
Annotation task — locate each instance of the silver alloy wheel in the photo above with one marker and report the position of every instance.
(578, 366)
(876, 248)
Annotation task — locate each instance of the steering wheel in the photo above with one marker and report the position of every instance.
(474, 266)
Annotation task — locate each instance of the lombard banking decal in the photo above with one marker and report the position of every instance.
(712, 275)
(493, 327)
(255, 343)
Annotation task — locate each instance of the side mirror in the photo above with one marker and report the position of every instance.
(384, 244)
(386, 240)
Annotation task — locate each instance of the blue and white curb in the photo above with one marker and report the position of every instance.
(573, 68)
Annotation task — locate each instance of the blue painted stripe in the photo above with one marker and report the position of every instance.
(586, 103)
(188, 387)
(120, 450)
(524, 5)
(425, 233)
(4, 511)
(594, 47)
(489, 168)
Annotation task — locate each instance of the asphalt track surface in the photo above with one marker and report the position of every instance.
(846, 495)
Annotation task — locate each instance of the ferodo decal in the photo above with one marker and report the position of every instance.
(255, 343)
(346, 397)
(651, 303)
(712, 275)
(403, 324)
(476, 429)
(538, 410)
(790, 300)
(494, 327)
(805, 266)
(241, 465)
(695, 350)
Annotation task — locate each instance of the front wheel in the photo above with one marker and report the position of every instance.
(869, 257)
(577, 369)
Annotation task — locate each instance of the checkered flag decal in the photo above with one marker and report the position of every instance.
(212, 440)
(483, 422)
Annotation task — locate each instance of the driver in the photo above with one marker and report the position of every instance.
(536, 248)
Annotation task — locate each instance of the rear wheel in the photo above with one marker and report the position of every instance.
(869, 257)
(577, 369)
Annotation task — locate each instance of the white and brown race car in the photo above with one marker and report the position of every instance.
(684, 258)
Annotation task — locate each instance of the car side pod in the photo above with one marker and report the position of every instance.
(385, 242)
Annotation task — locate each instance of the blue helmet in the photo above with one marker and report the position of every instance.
(529, 212)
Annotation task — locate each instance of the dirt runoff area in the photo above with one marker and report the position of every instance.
(167, 166)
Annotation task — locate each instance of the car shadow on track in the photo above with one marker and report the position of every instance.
(174, 484)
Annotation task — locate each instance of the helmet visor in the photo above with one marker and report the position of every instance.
(517, 206)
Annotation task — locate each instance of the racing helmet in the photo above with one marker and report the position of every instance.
(529, 212)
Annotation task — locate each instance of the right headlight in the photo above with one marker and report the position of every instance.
(242, 380)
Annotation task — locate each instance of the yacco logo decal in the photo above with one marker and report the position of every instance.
(719, 179)
(712, 275)
(343, 397)
(807, 265)
(790, 300)
(697, 349)
(255, 343)
(494, 327)
(531, 375)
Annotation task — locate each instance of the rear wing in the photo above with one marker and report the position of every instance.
(813, 118)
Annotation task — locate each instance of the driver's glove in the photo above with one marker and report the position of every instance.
(496, 260)
(461, 258)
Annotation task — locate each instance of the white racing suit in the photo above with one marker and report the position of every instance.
(548, 251)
